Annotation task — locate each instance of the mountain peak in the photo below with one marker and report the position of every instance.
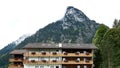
(73, 10)
(69, 7)
(72, 16)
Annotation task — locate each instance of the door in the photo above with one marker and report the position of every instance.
(57, 66)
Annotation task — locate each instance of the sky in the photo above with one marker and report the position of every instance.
(19, 17)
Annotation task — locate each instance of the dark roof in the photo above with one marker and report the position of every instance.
(79, 46)
(18, 52)
(64, 45)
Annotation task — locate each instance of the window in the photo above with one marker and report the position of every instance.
(41, 66)
(57, 50)
(85, 66)
(78, 66)
(64, 52)
(64, 66)
(42, 51)
(57, 58)
(51, 66)
(36, 66)
(85, 52)
(64, 59)
(42, 58)
(57, 66)
(78, 51)
(84, 59)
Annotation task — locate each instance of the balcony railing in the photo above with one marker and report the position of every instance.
(77, 53)
(43, 53)
(87, 53)
(65, 53)
(15, 66)
(16, 60)
(54, 60)
(54, 53)
(58, 62)
(33, 53)
(47, 54)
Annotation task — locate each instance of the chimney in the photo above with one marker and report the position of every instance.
(60, 44)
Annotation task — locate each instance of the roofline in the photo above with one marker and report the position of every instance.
(94, 47)
(60, 48)
(20, 53)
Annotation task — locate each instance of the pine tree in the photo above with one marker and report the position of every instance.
(116, 23)
(111, 51)
(97, 41)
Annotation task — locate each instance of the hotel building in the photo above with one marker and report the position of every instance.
(53, 55)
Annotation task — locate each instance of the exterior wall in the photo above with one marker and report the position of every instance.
(56, 58)
(45, 66)
(46, 50)
(55, 50)
(33, 58)
(45, 58)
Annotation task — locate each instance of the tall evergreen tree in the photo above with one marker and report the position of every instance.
(116, 23)
(108, 43)
(111, 51)
(97, 41)
(99, 35)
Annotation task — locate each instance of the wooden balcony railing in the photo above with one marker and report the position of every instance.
(15, 66)
(33, 53)
(43, 53)
(65, 53)
(58, 62)
(16, 60)
(54, 53)
(59, 54)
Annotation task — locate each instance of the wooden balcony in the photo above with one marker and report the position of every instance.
(76, 55)
(58, 54)
(58, 62)
(37, 54)
(16, 60)
(15, 66)
(75, 62)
